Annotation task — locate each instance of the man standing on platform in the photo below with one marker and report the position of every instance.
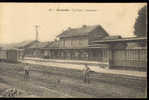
(86, 73)
(26, 70)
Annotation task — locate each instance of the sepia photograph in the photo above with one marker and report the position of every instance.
(73, 50)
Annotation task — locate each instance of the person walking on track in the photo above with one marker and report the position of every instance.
(86, 73)
(27, 71)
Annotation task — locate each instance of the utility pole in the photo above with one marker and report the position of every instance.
(36, 29)
(35, 53)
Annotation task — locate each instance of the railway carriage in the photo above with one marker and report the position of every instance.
(9, 55)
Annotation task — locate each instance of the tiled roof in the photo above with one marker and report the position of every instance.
(135, 46)
(25, 43)
(8, 48)
(112, 37)
(53, 44)
(39, 45)
(83, 31)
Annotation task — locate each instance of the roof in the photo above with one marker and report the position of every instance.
(9, 48)
(53, 44)
(135, 46)
(132, 45)
(112, 37)
(121, 40)
(25, 43)
(50, 44)
(82, 31)
(39, 45)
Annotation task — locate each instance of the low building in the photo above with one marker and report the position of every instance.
(37, 49)
(23, 48)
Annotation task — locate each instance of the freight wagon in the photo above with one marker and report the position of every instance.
(9, 55)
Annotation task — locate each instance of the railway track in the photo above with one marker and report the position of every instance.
(132, 82)
(46, 78)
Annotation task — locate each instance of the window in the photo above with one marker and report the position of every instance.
(63, 43)
(80, 42)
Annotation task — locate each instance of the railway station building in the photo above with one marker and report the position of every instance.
(73, 44)
(93, 43)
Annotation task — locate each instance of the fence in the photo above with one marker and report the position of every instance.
(130, 58)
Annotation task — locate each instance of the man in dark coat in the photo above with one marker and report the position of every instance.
(26, 70)
(86, 73)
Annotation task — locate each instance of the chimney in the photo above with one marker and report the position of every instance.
(69, 28)
(55, 40)
(84, 26)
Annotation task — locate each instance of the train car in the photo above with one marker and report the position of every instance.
(9, 55)
(3, 55)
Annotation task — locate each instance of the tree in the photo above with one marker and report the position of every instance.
(141, 23)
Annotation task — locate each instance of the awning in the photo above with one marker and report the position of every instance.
(99, 46)
(122, 40)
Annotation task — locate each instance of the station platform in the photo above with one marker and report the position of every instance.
(78, 64)
(66, 61)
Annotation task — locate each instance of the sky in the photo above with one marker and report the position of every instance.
(18, 20)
